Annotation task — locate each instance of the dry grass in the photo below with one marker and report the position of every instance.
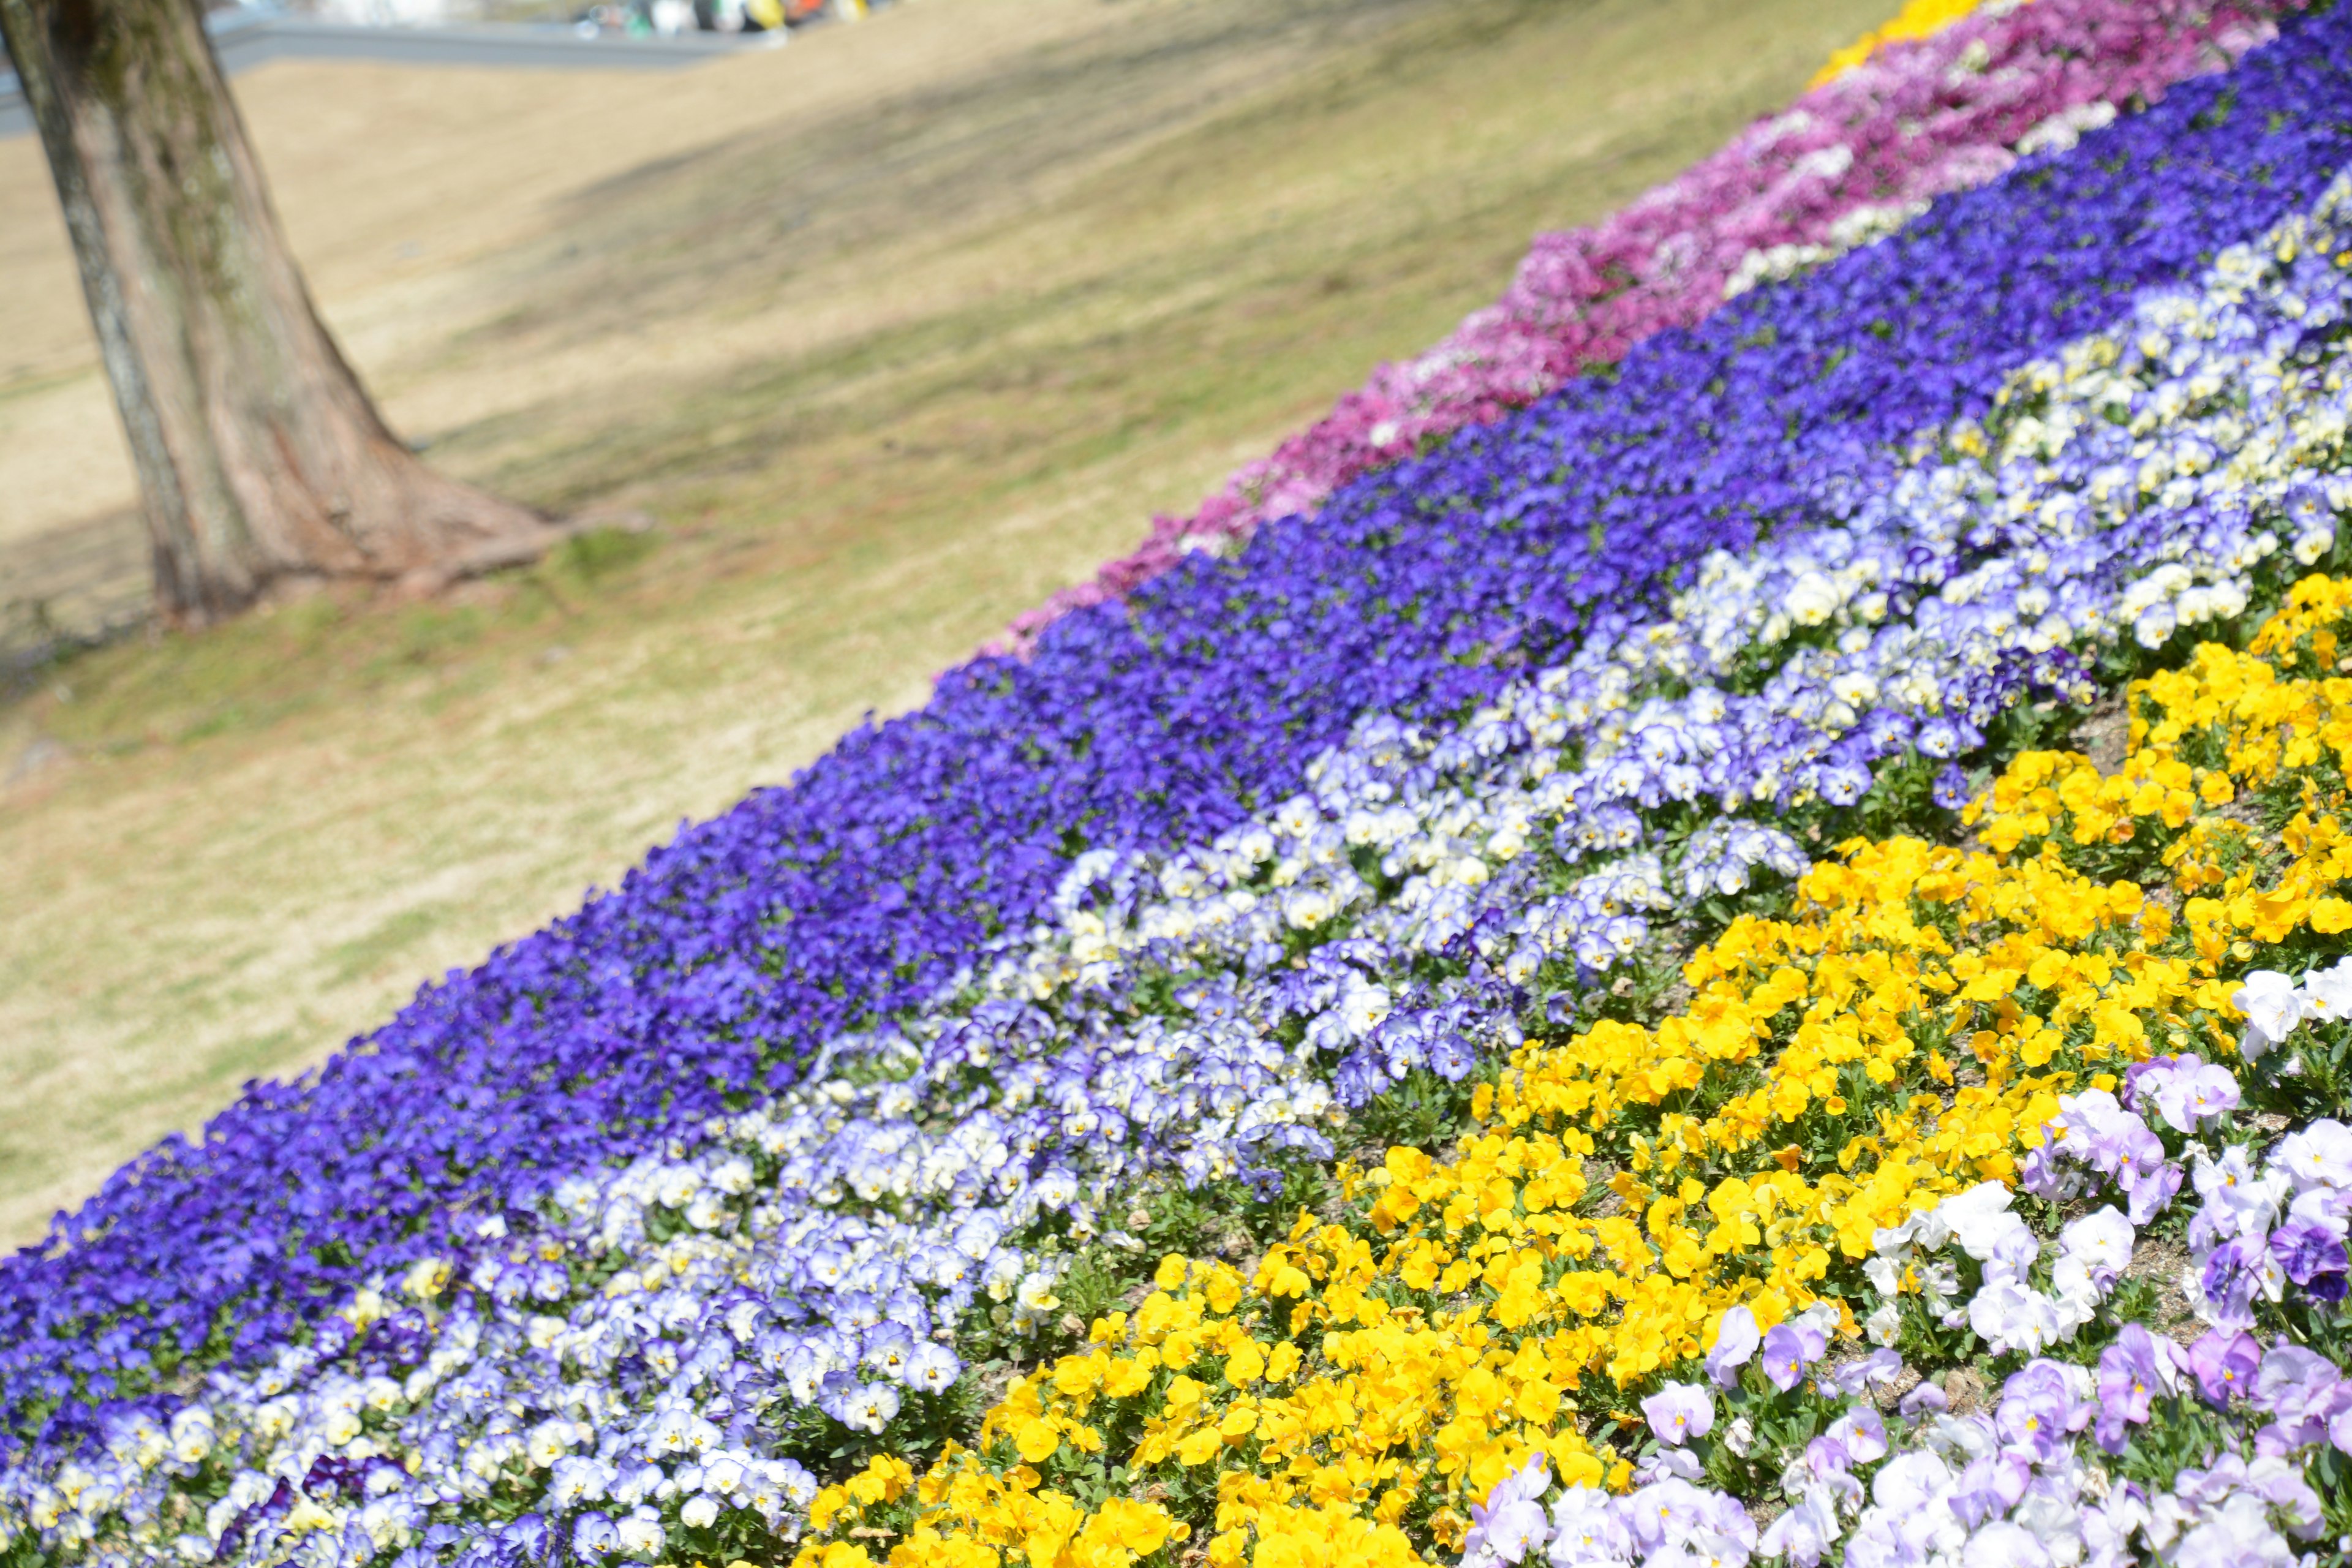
(895, 330)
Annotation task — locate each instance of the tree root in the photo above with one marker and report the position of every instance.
(512, 550)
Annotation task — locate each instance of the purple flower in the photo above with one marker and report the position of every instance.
(1805, 1533)
(1788, 1349)
(2312, 1255)
(2046, 1175)
(1925, 1397)
(1736, 1339)
(593, 1537)
(1588, 1525)
(864, 1406)
(1668, 1463)
(2038, 1409)
(1668, 1514)
(933, 1367)
(1511, 1522)
(1862, 1433)
(2224, 1365)
(2194, 1090)
(2234, 1272)
(2149, 1185)
(2137, 1074)
(2131, 1371)
(2302, 1390)
(2238, 1200)
(2111, 1137)
(2094, 1128)
(1880, 1366)
(1679, 1412)
(1990, 1486)
(1951, 788)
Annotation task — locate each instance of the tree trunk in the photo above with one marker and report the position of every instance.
(259, 454)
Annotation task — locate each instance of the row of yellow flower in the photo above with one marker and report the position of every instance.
(1905, 1033)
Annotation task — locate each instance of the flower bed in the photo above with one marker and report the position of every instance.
(624, 1243)
(1471, 1336)
(1855, 157)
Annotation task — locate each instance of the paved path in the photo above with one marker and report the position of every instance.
(246, 41)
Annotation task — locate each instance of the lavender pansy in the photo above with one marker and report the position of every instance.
(1679, 1412)
(1737, 1337)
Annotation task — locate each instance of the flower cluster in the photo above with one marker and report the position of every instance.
(1796, 1143)
(1407, 844)
(1939, 101)
(2126, 1439)
(727, 1180)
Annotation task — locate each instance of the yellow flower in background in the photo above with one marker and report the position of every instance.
(1917, 19)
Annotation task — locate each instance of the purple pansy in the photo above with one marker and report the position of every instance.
(2224, 1365)
(1736, 1339)
(1788, 1349)
(2312, 1255)
(1679, 1412)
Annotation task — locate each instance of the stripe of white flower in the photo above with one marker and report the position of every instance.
(822, 1251)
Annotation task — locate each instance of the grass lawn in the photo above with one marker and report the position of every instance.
(894, 332)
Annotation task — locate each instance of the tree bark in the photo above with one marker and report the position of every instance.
(260, 457)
